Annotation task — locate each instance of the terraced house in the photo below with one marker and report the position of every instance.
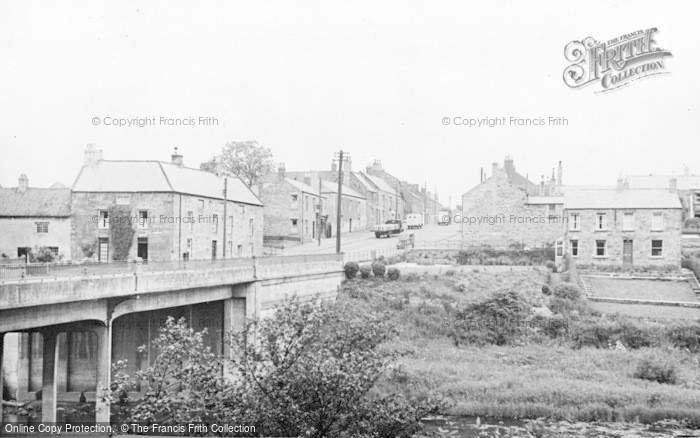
(33, 218)
(124, 209)
(622, 226)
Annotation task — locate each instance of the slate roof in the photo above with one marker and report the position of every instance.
(690, 182)
(620, 199)
(330, 187)
(303, 187)
(365, 181)
(115, 176)
(35, 202)
(380, 183)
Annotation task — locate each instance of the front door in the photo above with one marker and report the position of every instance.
(103, 250)
(627, 249)
(142, 249)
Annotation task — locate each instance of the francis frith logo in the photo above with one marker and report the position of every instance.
(616, 62)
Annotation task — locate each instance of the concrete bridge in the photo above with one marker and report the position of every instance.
(63, 327)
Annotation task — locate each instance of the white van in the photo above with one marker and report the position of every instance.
(414, 220)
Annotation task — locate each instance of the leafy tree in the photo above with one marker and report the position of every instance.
(121, 231)
(308, 371)
(247, 159)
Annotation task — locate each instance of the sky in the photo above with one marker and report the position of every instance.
(372, 78)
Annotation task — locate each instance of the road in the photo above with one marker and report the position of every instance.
(364, 240)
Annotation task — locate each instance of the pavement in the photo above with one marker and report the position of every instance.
(364, 240)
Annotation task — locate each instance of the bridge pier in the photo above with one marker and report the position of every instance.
(104, 372)
(48, 385)
(2, 383)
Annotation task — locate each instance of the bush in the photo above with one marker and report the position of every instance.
(601, 333)
(657, 370)
(378, 269)
(551, 265)
(497, 320)
(311, 373)
(553, 326)
(393, 274)
(568, 291)
(365, 271)
(546, 289)
(351, 270)
(685, 336)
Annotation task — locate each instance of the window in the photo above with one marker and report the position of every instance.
(250, 249)
(240, 250)
(251, 226)
(601, 221)
(230, 224)
(573, 244)
(123, 199)
(215, 223)
(22, 251)
(103, 249)
(306, 226)
(200, 204)
(295, 228)
(575, 220)
(42, 227)
(306, 203)
(190, 220)
(143, 219)
(54, 250)
(295, 202)
(628, 222)
(103, 219)
(242, 208)
(560, 248)
(229, 249)
(600, 248)
(657, 247)
(188, 246)
(657, 221)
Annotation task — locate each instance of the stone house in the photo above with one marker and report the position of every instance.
(291, 207)
(370, 192)
(175, 212)
(353, 208)
(32, 217)
(508, 209)
(622, 226)
(687, 186)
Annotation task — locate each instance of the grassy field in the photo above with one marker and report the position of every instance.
(531, 376)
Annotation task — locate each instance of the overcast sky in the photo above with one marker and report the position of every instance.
(372, 78)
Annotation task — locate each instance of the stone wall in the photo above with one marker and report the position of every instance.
(280, 209)
(21, 232)
(496, 213)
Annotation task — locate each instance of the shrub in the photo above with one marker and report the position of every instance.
(497, 320)
(41, 254)
(378, 269)
(657, 370)
(351, 270)
(393, 274)
(568, 291)
(546, 289)
(553, 326)
(365, 271)
(121, 231)
(601, 333)
(685, 336)
(551, 265)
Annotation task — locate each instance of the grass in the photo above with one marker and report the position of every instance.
(533, 377)
(649, 311)
(638, 289)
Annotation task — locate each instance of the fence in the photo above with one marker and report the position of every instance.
(370, 255)
(439, 245)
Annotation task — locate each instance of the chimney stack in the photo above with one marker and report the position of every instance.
(334, 166)
(92, 154)
(307, 180)
(377, 165)
(620, 183)
(494, 168)
(23, 184)
(559, 174)
(347, 167)
(176, 158)
(540, 192)
(673, 184)
(281, 171)
(508, 164)
(686, 170)
(481, 178)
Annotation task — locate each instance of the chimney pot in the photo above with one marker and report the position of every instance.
(176, 158)
(23, 183)
(673, 184)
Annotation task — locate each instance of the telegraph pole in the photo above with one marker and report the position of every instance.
(225, 214)
(341, 158)
(318, 218)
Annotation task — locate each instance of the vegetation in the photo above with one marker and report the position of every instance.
(393, 274)
(657, 370)
(121, 231)
(312, 373)
(365, 271)
(378, 269)
(351, 269)
(494, 345)
(246, 159)
(515, 255)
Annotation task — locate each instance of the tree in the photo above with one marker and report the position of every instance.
(247, 159)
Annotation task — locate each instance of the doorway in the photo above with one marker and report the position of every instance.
(142, 248)
(213, 249)
(103, 249)
(627, 250)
